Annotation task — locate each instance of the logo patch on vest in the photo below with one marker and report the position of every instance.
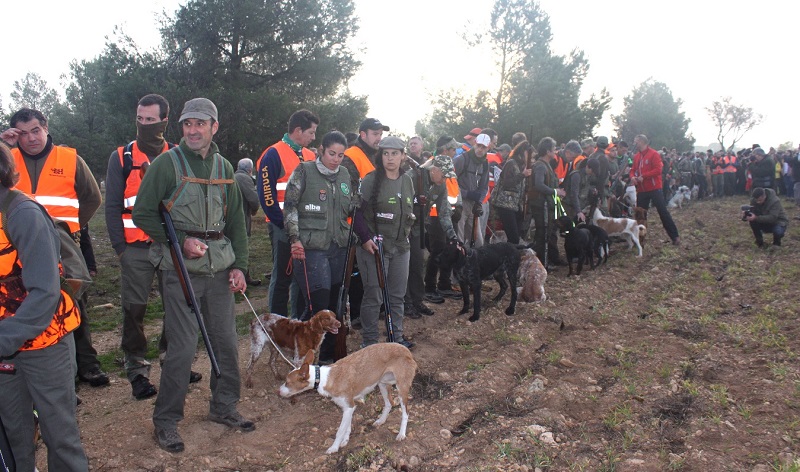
(312, 207)
(386, 216)
(345, 189)
(56, 171)
(323, 195)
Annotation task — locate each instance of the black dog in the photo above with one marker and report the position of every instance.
(470, 266)
(577, 243)
(600, 242)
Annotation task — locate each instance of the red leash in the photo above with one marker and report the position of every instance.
(305, 274)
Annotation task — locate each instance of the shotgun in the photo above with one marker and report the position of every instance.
(186, 283)
(340, 350)
(380, 265)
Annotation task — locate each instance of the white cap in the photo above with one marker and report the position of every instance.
(483, 139)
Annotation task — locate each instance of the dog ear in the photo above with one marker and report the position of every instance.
(309, 358)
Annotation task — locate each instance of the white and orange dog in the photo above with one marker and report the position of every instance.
(293, 337)
(352, 378)
(625, 227)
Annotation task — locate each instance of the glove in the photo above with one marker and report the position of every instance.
(456, 216)
(477, 210)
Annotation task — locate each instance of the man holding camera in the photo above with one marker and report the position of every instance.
(766, 215)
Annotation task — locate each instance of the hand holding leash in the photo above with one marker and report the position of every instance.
(237, 280)
(370, 246)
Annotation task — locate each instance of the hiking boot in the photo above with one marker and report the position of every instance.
(94, 377)
(411, 312)
(408, 344)
(233, 420)
(142, 388)
(169, 440)
(424, 310)
(449, 293)
(195, 377)
(433, 297)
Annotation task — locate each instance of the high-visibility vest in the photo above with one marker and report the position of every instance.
(362, 162)
(496, 159)
(289, 161)
(730, 162)
(452, 194)
(719, 162)
(560, 169)
(65, 319)
(56, 187)
(140, 161)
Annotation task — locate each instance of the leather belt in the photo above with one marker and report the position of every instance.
(208, 235)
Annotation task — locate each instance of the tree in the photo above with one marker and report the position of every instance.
(538, 93)
(651, 110)
(33, 92)
(732, 121)
(260, 61)
(786, 146)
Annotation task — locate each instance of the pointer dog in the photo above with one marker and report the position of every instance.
(352, 378)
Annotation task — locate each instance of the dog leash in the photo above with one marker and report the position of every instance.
(305, 274)
(265, 330)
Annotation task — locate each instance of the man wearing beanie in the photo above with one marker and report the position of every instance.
(206, 208)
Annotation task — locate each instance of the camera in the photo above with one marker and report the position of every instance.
(748, 211)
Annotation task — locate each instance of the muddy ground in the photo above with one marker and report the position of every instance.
(684, 359)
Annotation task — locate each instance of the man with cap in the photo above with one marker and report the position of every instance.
(469, 141)
(274, 168)
(766, 216)
(250, 202)
(441, 222)
(359, 160)
(472, 172)
(197, 185)
(599, 180)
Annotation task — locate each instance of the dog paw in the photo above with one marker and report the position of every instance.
(248, 383)
(474, 318)
(509, 311)
(464, 311)
(378, 422)
(332, 450)
(400, 437)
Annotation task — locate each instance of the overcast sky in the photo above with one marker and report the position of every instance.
(702, 50)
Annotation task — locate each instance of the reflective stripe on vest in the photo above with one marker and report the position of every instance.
(362, 162)
(289, 161)
(66, 317)
(452, 195)
(139, 161)
(56, 187)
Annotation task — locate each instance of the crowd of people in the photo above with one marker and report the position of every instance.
(387, 203)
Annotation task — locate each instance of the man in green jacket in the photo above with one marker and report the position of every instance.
(766, 216)
(196, 184)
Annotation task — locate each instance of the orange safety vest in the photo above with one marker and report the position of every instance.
(730, 161)
(560, 169)
(718, 161)
(56, 188)
(493, 158)
(576, 161)
(13, 292)
(140, 162)
(289, 161)
(362, 162)
(452, 194)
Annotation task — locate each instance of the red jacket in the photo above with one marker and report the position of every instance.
(648, 165)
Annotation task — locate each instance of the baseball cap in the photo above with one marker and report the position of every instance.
(446, 142)
(199, 108)
(504, 147)
(602, 142)
(483, 139)
(759, 152)
(391, 142)
(473, 133)
(373, 124)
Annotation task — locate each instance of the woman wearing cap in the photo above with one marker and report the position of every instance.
(507, 196)
(387, 212)
(316, 205)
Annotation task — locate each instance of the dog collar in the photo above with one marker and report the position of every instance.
(316, 377)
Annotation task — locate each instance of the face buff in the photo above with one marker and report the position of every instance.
(151, 137)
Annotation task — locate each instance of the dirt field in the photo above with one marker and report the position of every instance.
(684, 359)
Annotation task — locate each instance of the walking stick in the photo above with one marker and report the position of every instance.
(186, 284)
(546, 232)
(380, 265)
(340, 351)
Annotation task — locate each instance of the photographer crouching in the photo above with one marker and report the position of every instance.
(766, 215)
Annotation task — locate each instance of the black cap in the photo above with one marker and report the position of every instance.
(373, 124)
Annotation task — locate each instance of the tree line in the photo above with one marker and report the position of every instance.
(263, 60)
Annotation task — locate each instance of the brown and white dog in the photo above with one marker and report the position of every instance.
(532, 276)
(625, 227)
(640, 215)
(352, 378)
(294, 337)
